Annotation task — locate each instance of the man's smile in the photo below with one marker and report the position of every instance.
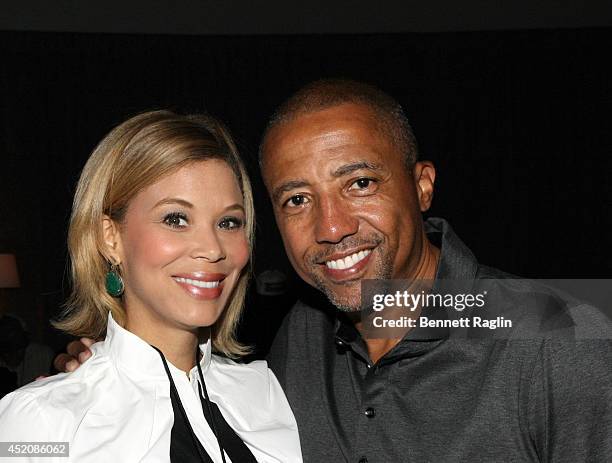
(348, 261)
(347, 266)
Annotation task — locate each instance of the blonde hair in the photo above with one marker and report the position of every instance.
(131, 157)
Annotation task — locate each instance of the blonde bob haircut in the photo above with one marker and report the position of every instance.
(130, 158)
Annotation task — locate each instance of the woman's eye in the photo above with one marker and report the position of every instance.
(231, 223)
(361, 184)
(176, 220)
(296, 201)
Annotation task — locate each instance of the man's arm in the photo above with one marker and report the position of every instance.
(570, 404)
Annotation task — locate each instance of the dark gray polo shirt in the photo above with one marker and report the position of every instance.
(439, 399)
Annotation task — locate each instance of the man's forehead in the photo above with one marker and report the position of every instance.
(327, 134)
(325, 161)
(345, 115)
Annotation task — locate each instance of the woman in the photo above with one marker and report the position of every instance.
(159, 240)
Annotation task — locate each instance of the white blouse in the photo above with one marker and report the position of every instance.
(116, 407)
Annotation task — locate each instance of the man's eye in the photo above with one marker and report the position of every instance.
(231, 223)
(361, 184)
(176, 220)
(296, 201)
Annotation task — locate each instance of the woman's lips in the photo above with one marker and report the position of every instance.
(202, 286)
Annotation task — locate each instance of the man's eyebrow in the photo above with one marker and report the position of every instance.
(287, 186)
(180, 201)
(349, 168)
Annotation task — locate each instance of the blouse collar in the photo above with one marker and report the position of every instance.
(138, 357)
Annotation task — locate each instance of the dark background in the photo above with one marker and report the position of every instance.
(517, 123)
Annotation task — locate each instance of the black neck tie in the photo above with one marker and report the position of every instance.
(185, 447)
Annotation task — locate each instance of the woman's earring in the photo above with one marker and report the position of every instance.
(114, 282)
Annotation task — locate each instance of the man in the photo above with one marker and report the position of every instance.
(339, 161)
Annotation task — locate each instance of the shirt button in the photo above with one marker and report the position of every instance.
(370, 412)
(363, 460)
(339, 342)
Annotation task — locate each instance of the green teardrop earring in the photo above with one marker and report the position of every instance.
(114, 282)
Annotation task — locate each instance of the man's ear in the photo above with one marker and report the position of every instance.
(424, 179)
(112, 240)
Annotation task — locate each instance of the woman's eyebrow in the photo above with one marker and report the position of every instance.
(180, 201)
(185, 203)
(235, 206)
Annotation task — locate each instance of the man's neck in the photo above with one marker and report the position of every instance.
(426, 270)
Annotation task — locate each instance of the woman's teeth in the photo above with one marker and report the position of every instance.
(348, 261)
(198, 283)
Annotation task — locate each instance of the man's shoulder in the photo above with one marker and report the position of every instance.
(547, 305)
(306, 331)
(486, 272)
(309, 313)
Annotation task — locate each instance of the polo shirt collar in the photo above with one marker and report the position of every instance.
(456, 262)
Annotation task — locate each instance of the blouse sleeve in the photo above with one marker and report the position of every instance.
(23, 420)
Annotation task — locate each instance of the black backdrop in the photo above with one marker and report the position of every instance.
(517, 123)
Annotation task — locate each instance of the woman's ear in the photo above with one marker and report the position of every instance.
(112, 240)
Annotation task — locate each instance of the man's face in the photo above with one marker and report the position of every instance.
(345, 203)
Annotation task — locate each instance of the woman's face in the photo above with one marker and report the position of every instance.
(182, 247)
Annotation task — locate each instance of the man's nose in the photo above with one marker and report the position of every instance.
(334, 221)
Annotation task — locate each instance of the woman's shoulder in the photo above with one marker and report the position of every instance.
(253, 382)
(254, 404)
(38, 411)
(256, 370)
(253, 377)
(52, 405)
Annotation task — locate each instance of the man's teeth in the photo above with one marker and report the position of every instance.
(348, 261)
(198, 283)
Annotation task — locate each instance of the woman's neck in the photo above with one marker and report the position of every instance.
(178, 345)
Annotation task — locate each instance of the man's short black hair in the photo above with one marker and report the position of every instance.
(327, 93)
